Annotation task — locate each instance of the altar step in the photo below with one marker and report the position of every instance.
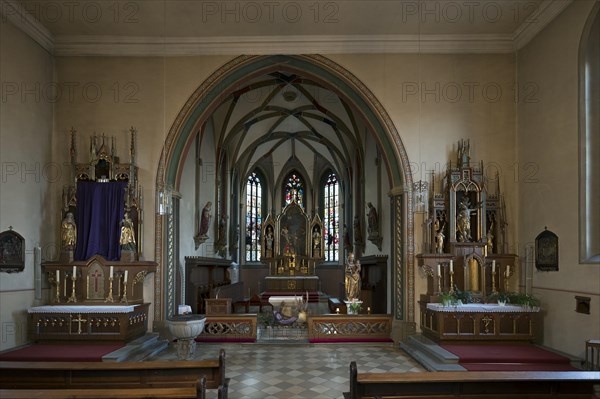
(429, 354)
(138, 350)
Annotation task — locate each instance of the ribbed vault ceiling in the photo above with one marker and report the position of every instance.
(281, 116)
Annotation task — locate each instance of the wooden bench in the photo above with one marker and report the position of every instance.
(473, 384)
(193, 391)
(81, 378)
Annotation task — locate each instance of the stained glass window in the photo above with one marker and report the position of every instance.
(330, 218)
(294, 190)
(253, 217)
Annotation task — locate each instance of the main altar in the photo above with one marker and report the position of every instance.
(292, 247)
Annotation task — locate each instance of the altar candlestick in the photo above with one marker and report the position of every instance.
(493, 266)
(125, 278)
(337, 310)
(111, 272)
(451, 266)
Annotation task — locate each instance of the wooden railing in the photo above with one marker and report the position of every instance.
(156, 378)
(473, 384)
(349, 328)
(230, 328)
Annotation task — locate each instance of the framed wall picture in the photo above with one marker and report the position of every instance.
(546, 251)
(12, 252)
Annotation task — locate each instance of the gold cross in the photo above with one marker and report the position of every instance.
(78, 319)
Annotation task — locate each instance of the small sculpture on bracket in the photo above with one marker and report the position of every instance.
(373, 228)
(205, 217)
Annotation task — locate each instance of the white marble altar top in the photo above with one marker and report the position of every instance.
(481, 308)
(81, 309)
(287, 300)
(291, 277)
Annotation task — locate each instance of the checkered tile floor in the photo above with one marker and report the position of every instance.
(287, 371)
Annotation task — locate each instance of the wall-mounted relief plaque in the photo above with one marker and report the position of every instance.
(546, 251)
(12, 252)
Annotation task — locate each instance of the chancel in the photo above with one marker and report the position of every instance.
(364, 172)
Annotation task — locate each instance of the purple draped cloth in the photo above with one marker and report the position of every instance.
(98, 217)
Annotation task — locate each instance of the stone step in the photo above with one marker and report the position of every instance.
(429, 354)
(138, 349)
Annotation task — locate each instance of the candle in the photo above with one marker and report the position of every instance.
(507, 270)
(485, 251)
(369, 310)
(57, 276)
(439, 270)
(493, 266)
(337, 310)
(111, 272)
(125, 278)
(451, 267)
(74, 271)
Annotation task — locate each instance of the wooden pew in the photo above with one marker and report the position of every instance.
(193, 391)
(177, 376)
(473, 384)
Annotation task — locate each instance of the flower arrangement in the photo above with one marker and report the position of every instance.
(501, 297)
(354, 306)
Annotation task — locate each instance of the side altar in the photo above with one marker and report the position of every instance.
(96, 285)
(292, 247)
(466, 258)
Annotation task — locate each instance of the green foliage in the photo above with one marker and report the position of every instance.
(526, 300)
(463, 296)
(500, 296)
(266, 319)
(448, 299)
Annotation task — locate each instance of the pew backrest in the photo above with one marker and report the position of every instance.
(473, 384)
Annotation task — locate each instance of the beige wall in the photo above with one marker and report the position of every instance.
(548, 140)
(433, 100)
(26, 106)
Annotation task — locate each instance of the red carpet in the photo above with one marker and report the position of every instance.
(507, 357)
(60, 353)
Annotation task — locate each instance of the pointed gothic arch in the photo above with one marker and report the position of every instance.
(222, 83)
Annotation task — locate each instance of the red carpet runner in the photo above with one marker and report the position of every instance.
(506, 357)
(60, 353)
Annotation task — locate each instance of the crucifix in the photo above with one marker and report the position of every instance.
(96, 276)
(80, 320)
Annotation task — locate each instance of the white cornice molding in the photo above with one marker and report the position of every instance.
(265, 45)
(538, 20)
(84, 45)
(14, 12)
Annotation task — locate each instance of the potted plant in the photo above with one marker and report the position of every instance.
(501, 297)
(525, 300)
(462, 297)
(448, 299)
(354, 306)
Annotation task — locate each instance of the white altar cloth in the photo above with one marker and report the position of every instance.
(81, 309)
(481, 308)
(286, 300)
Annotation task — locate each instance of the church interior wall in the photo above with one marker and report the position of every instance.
(548, 143)
(433, 101)
(28, 171)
